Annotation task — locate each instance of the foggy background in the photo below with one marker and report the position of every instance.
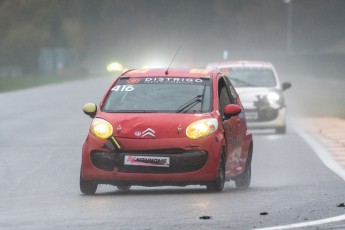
(305, 40)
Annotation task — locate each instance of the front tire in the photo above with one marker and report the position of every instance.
(218, 184)
(87, 187)
(281, 130)
(243, 180)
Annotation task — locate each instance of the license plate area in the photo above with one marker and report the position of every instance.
(147, 161)
(252, 115)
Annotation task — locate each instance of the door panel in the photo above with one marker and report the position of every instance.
(231, 131)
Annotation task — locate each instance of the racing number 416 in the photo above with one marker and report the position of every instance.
(123, 88)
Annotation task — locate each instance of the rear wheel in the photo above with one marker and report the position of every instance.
(87, 187)
(218, 184)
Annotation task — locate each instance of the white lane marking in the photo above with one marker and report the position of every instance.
(306, 224)
(325, 157)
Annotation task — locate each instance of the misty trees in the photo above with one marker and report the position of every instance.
(27, 26)
(96, 29)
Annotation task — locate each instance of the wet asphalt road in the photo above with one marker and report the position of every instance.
(42, 131)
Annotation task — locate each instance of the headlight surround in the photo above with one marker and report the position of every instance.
(202, 128)
(101, 128)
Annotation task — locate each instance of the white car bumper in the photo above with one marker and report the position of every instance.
(279, 121)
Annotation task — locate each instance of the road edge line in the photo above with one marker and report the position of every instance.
(330, 163)
(306, 224)
(322, 153)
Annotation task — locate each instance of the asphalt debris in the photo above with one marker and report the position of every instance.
(263, 213)
(341, 205)
(205, 217)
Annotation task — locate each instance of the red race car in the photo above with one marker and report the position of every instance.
(158, 127)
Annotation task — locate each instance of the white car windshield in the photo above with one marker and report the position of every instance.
(250, 77)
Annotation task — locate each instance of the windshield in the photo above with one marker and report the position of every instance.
(167, 95)
(245, 77)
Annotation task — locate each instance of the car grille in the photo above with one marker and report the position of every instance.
(180, 161)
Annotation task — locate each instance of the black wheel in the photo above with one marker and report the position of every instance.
(218, 184)
(87, 187)
(243, 180)
(123, 187)
(281, 130)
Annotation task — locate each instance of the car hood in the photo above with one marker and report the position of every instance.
(151, 125)
(250, 96)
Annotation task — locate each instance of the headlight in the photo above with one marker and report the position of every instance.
(101, 128)
(114, 66)
(273, 96)
(202, 128)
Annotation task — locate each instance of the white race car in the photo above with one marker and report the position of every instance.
(261, 93)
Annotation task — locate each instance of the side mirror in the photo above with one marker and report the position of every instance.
(90, 109)
(232, 110)
(286, 85)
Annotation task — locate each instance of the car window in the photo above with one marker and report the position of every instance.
(224, 96)
(250, 77)
(185, 95)
(232, 91)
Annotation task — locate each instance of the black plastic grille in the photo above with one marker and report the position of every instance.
(180, 161)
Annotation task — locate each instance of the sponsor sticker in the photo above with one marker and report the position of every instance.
(133, 81)
(147, 161)
(199, 71)
(128, 84)
(171, 80)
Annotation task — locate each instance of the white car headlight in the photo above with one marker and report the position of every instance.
(273, 96)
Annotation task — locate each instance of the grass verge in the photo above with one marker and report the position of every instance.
(24, 82)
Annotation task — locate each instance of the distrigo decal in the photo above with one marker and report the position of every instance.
(179, 80)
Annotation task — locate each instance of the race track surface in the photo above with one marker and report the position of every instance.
(43, 129)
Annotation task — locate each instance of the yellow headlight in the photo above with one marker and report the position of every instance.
(201, 128)
(115, 66)
(101, 128)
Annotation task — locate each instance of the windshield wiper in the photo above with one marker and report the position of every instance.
(240, 81)
(189, 104)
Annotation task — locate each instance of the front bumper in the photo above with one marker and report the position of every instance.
(190, 161)
(278, 121)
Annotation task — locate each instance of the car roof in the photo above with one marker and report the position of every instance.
(242, 64)
(163, 73)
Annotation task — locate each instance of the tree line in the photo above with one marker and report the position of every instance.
(90, 29)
